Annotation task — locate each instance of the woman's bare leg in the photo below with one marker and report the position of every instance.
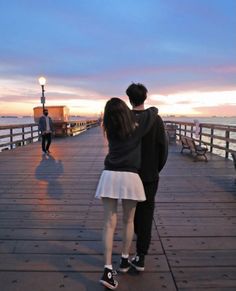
(110, 219)
(128, 224)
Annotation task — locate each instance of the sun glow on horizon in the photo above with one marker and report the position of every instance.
(19, 98)
(195, 103)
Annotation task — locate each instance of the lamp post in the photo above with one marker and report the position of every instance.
(42, 82)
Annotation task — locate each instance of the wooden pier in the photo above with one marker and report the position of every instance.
(50, 223)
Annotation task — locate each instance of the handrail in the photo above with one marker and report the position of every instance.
(216, 136)
(18, 134)
(14, 135)
(74, 127)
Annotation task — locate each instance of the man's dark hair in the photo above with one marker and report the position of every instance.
(137, 94)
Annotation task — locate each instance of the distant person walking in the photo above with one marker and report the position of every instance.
(153, 158)
(120, 179)
(46, 128)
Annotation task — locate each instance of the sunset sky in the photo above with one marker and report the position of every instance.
(184, 51)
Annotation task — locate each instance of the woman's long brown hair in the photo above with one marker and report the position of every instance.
(118, 120)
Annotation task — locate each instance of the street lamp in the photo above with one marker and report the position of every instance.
(42, 82)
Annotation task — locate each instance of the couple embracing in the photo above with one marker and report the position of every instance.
(138, 150)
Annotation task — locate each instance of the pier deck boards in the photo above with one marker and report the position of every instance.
(50, 223)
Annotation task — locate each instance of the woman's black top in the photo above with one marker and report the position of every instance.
(125, 154)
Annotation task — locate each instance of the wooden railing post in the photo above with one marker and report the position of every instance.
(31, 129)
(211, 140)
(227, 135)
(11, 138)
(23, 135)
(200, 134)
(180, 130)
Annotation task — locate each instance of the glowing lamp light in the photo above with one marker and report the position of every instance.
(42, 81)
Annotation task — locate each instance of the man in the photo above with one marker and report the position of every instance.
(154, 155)
(46, 128)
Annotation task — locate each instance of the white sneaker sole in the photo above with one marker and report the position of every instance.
(140, 269)
(124, 270)
(109, 286)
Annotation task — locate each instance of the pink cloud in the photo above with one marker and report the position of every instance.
(183, 87)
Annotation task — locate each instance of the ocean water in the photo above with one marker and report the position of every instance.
(13, 120)
(215, 120)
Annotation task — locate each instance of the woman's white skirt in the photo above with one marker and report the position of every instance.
(120, 185)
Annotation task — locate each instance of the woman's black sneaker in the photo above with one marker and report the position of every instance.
(124, 265)
(138, 262)
(108, 280)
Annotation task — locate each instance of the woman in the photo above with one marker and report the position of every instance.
(120, 179)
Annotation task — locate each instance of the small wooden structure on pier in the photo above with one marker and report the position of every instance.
(50, 223)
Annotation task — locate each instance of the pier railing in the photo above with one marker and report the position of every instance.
(221, 139)
(12, 136)
(74, 127)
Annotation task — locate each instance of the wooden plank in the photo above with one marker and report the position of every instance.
(75, 263)
(42, 215)
(199, 243)
(196, 212)
(50, 215)
(67, 247)
(53, 234)
(204, 258)
(58, 234)
(47, 201)
(58, 224)
(195, 196)
(195, 205)
(46, 208)
(220, 221)
(198, 230)
(84, 194)
(221, 182)
(7, 246)
(99, 207)
(81, 281)
(214, 278)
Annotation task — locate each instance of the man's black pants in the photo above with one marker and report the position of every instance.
(46, 141)
(143, 218)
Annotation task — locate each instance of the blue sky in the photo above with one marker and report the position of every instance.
(90, 50)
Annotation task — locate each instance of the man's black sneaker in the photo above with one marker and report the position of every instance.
(108, 280)
(138, 262)
(124, 265)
